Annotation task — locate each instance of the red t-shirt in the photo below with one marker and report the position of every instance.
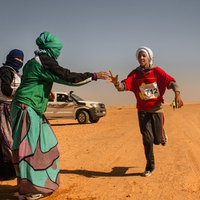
(148, 86)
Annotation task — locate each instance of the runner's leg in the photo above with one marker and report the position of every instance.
(148, 138)
(157, 126)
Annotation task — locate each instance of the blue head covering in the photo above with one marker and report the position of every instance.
(12, 62)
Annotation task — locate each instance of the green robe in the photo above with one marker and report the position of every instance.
(36, 86)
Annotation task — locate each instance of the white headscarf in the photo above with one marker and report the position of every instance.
(148, 52)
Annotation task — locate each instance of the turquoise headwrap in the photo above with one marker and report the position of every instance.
(50, 44)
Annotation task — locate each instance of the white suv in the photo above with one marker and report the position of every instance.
(69, 105)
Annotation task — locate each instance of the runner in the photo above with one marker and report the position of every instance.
(149, 82)
(174, 105)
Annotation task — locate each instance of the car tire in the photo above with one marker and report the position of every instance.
(82, 117)
(94, 120)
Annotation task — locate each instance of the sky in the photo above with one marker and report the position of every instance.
(103, 35)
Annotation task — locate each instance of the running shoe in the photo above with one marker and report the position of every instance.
(148, 173)
(164, 141)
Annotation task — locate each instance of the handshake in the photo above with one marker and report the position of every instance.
(106, 76)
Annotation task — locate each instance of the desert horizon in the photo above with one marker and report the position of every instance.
(166, 103)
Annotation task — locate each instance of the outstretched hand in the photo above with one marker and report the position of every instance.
(113, 79)
(102, 75)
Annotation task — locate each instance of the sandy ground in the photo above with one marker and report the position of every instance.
(104, 161)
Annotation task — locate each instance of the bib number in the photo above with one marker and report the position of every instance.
(150, 91)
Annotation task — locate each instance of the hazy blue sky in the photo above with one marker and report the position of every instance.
(102, 35)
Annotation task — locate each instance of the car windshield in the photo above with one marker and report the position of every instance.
(77, 97)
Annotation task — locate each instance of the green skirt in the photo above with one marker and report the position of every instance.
(35, 151)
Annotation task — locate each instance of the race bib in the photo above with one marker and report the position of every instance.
(150, 91)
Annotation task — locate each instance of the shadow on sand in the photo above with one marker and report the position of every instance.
(65, 124)
(116, 171)
(11, 192)
(8, 192)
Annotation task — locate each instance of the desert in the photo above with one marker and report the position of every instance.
(104, 160)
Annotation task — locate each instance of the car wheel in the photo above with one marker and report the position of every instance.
(94, 120)
(82, 117)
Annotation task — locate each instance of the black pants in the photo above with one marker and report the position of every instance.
(7, 170)
(151, 127)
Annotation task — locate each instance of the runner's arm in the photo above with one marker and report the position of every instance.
(174, 86)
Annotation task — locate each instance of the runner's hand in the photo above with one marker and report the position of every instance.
(113, 79)
(178, 100)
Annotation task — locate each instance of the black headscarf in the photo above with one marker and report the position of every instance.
(12, 62)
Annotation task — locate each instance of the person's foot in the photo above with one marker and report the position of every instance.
(148, 173)
(164, 141)
(31, 196)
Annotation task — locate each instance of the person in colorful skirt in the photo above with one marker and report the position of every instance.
(35, 147)
(9, 82)
(149, 82)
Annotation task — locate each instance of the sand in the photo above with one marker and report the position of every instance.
(104, 161)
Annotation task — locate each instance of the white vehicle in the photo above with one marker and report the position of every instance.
(69, 105)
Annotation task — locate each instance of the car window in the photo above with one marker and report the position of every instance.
(62, 98)
(77, 97)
